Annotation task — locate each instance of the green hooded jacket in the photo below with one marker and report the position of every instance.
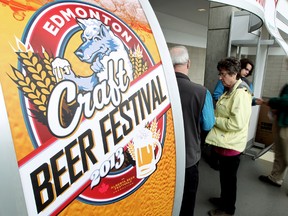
(280, 104)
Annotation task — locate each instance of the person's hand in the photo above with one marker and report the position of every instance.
(259, 101)
(266, 102)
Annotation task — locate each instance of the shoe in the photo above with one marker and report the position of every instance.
(266, 179)
(218, 212)
(216, 201)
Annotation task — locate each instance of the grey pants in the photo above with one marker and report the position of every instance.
(280, 164)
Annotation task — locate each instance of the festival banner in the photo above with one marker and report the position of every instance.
(89, 107)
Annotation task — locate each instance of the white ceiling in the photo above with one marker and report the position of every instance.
(184, 9)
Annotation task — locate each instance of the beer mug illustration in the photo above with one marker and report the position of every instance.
(144, 151)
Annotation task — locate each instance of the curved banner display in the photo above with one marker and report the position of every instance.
(267, 11)
(87, 98)
(254, 6)
(271, 23)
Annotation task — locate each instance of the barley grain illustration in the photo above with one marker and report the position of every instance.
(38, 81)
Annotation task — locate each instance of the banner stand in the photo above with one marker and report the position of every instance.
(11, 193)
(175, 104)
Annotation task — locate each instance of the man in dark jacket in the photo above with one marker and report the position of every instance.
(279, 106)
(198, 114)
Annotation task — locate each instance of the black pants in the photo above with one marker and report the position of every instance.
(228, 167)
(190, 190)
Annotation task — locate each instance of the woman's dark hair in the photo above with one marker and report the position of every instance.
(231, 64)
(244, 63)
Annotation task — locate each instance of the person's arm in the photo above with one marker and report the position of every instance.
(207, 115)
(257, 101)
(251, 87)
(218, 90)
(239, 113)
(279, 103)
(254, 100)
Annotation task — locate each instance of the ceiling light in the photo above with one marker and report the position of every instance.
(201, 9)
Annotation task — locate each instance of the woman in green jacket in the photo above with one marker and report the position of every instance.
(229, 134)
(279, 106)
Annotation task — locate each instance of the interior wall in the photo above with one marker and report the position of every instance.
(197, 57)
(194, 36)
(276, 75)
(181, 31)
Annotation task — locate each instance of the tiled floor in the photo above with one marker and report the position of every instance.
(254, 198)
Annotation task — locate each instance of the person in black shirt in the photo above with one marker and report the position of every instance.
(198, 115)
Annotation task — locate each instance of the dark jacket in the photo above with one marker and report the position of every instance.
(280, 104)
(192, 100)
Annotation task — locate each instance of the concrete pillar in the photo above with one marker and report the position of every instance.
(217, 41)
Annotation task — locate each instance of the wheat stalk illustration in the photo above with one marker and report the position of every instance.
(138, 64)
(153, 129)
(155, 132)
(131, 150)
(39, 81)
